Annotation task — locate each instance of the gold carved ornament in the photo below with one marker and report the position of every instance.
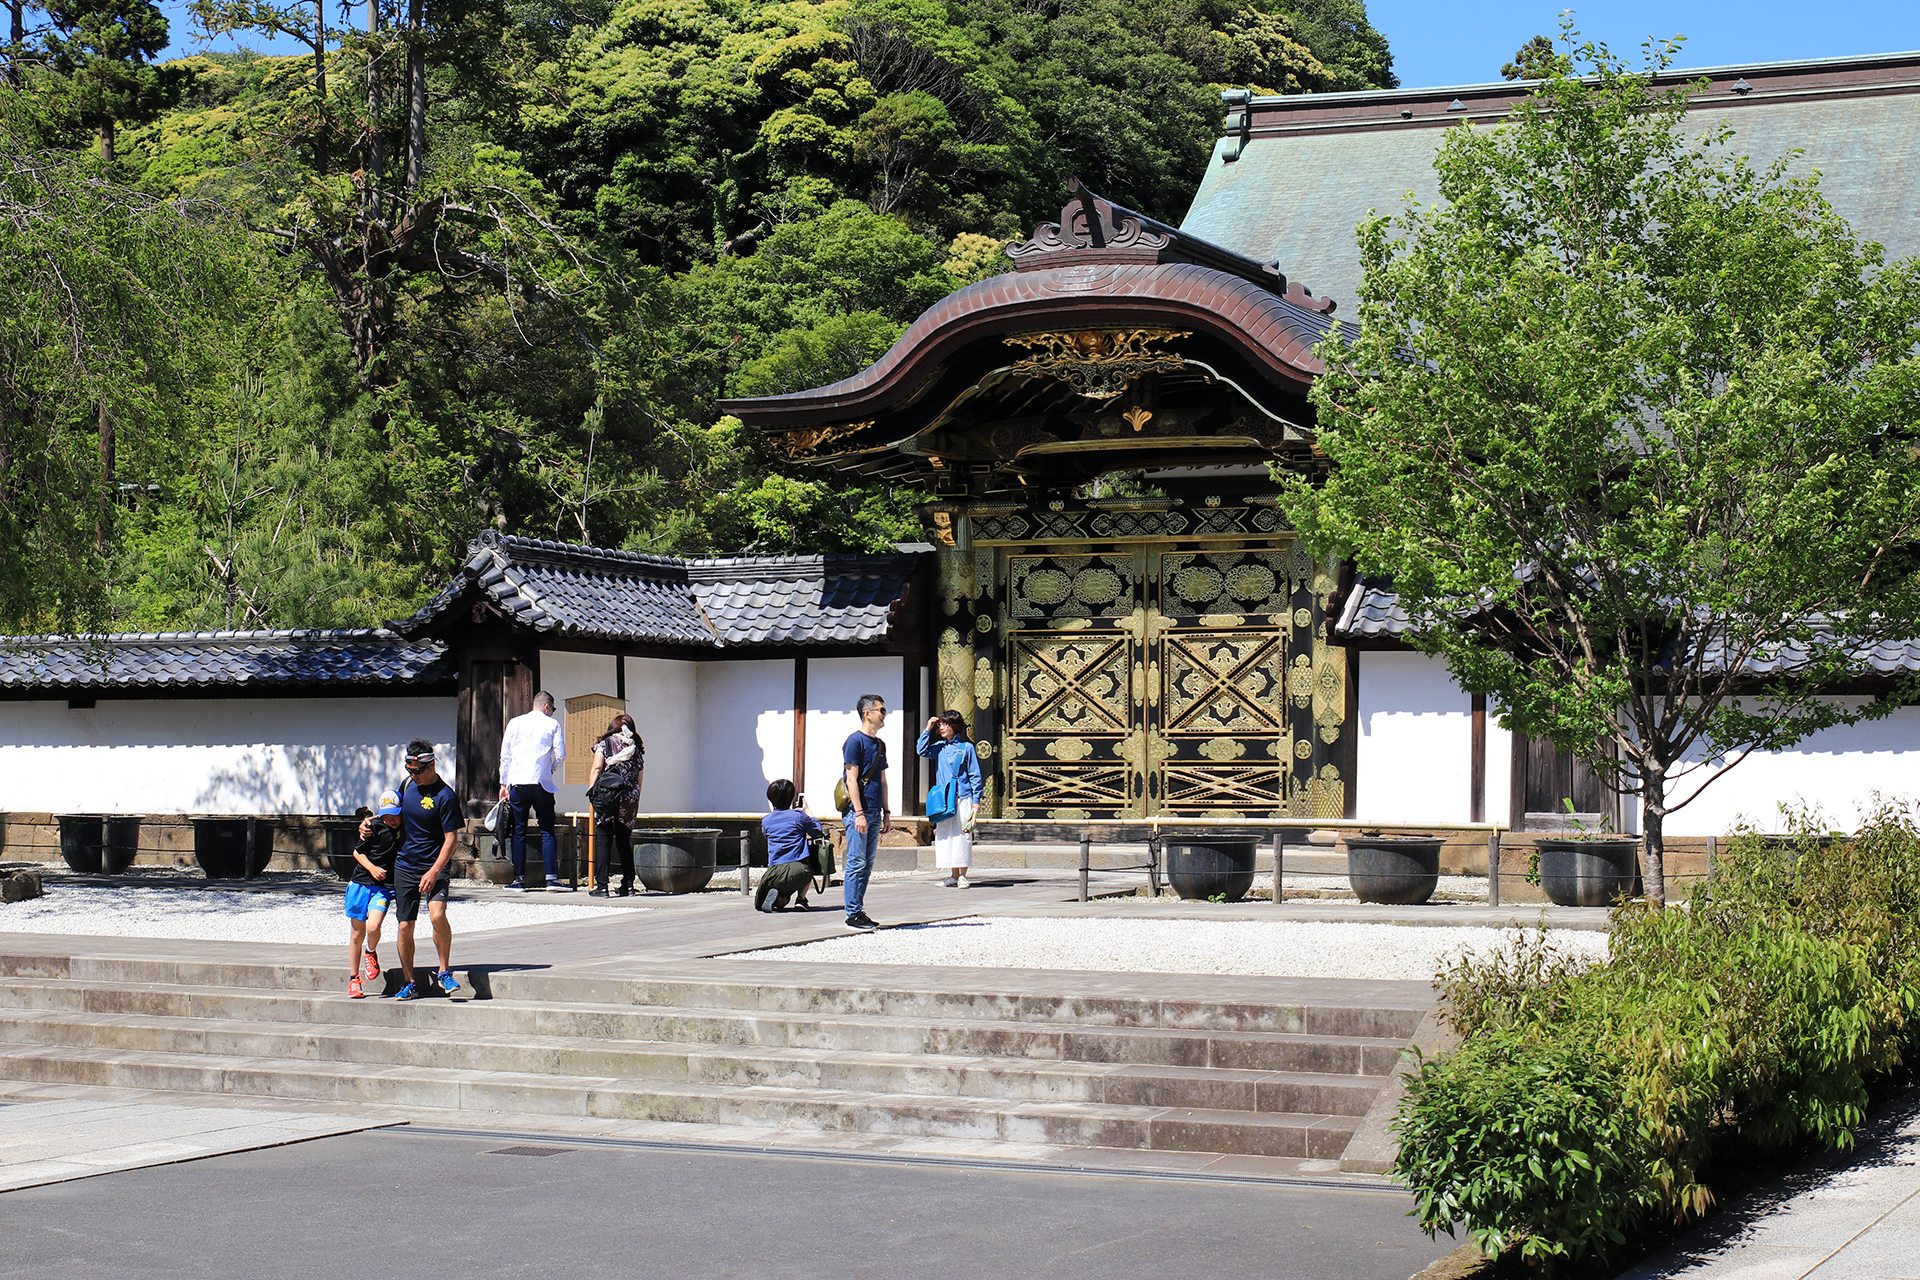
(1099, 364)
(807, 442)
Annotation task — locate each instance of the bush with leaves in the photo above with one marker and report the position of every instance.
(1584, 1102)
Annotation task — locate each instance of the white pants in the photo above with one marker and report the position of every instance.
(953, 846)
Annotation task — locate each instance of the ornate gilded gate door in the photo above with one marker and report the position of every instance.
(1165, 676)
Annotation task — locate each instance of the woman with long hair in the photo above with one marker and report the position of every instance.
(944, 741)
(621, 755)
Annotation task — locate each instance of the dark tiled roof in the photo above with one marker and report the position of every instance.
(596, 593)
(839, 599)
(569, 590)
(1373, 612)
(194, 659)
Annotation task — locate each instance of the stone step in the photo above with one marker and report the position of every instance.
(988, 1119)
(1254, 1051)
(918, 1074)
(771, 995)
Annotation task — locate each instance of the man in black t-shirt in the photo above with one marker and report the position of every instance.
(429, 821)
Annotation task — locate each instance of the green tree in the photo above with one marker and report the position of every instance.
(124, 315)
(304, 21)
(105, 50)
(1631, 425)
(18, 51)
(1536, 60)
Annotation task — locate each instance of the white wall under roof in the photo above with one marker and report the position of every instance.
(213, 755)
(718, 732)
(745, 734)
(1838, 770)
(834, 686)
(1415, 756)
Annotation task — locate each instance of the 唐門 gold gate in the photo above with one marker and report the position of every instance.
(1141, 657)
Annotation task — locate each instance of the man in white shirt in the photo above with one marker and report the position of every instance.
(531, 746)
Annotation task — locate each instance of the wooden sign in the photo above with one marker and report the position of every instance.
(587, 718)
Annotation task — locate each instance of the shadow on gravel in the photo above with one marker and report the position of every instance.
(1887, 1140)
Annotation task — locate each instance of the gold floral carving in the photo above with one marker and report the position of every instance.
(807, 442)
(1069, 748)
(1099, 364)
(1221, 750)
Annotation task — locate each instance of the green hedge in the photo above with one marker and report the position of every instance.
(1586, 1101)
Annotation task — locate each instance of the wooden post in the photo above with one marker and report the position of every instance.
(800, 727)
(1493, 867)
(1279, 866)
(1086, 857)
(746, 860)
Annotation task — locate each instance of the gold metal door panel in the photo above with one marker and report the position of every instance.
(1070, 727)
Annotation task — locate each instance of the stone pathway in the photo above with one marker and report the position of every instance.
(1843, 1215)
(60, 1140)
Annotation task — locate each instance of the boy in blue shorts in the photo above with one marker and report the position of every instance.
(370, 893)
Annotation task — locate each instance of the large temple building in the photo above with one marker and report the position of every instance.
(1108, 591)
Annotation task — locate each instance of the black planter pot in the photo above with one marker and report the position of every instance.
(675, 859)
(232, 848)
(342, 837)
(1589, 873)
(1220, 869)
(1397, 869)
(98, 843)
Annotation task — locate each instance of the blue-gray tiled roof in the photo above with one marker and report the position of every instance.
(1373, 612)
(205, 659)
(568, 590)
(838, 599)
(624, 596)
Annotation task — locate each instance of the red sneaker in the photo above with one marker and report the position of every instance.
(369, 967)
(353, 988)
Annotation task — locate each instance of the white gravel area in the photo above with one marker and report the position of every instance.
(229, 915)
(1258, 947)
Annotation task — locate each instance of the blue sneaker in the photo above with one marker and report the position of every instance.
(408, 992)
(448, 983)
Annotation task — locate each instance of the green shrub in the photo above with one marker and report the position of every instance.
(1583, 1099)
(1526, 1142)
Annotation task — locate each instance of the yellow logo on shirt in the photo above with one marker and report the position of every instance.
(426, 802)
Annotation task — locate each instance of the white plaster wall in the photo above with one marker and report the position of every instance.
(1415, 756)
(1837, 770)
(663, 697)
(569, 675)
(217, 755)
(834, 686)
(746, 733)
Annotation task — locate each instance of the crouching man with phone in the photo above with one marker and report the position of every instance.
(788, 829)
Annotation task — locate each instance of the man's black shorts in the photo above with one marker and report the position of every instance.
(407, 896)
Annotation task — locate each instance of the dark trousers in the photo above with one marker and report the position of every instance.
(618, 836)
(532, 799)
(787, 879)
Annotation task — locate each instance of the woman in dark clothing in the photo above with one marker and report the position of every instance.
(621, 754)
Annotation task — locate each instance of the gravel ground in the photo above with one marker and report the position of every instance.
(238, 915)
(1276, 948)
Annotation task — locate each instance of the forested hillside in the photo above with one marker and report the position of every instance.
(284, 332)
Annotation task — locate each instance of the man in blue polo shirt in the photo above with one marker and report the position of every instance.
(429, 821)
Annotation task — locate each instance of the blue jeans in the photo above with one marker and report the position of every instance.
(532, 798)
(859, 861)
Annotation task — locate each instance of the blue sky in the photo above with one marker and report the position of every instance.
(1440, 44)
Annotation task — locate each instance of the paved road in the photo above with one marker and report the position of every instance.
(394, 1203)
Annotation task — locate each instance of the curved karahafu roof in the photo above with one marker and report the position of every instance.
(1116, 341)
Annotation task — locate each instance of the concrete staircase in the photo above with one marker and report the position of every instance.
(1142, 1074)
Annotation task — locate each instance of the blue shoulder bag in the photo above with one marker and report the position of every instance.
(943, 801)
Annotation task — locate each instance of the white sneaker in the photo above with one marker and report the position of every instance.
(945, 884)
(961, 883)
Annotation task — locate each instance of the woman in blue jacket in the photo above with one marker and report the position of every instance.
(944, 741)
